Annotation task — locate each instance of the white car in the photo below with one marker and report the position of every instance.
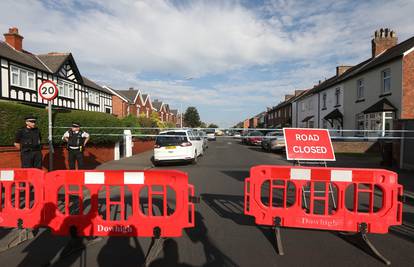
(211, 134)
(177, 145)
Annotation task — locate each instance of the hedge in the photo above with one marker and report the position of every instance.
(12, 118)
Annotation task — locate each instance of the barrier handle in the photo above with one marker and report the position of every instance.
(247, 198)
(191, 214)
(399, 203)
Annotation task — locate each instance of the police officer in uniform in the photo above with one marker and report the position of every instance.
(28, 141)
(76, 141)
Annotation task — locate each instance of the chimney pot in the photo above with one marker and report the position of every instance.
(383, 40)
(14, 39)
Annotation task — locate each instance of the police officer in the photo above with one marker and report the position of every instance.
(28, 141)
(76, 141)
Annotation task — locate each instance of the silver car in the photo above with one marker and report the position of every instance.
(273, 141)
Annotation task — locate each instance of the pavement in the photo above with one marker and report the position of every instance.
(223, 235)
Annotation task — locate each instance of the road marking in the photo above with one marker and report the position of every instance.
(229, 143)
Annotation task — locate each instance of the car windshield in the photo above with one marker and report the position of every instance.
(171, 138)
(210, 131)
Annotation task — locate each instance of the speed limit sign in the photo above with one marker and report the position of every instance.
(48, 90)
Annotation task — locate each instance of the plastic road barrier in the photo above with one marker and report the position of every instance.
(154, 203)
(367, 200)
(118, 203)
(21, 197)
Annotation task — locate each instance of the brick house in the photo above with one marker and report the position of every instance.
(280, 115)
(22, 73)
(120, 103)
(148, 108)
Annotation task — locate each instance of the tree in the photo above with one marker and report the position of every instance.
(191, 117)
(212, 125)
(203, 125)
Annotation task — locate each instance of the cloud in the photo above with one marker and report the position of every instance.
(260, 52)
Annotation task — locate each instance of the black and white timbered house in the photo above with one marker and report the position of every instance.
(22, 72)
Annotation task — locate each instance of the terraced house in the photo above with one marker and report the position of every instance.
(22, 72)
(367, 96)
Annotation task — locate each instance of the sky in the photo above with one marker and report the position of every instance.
(230, 59)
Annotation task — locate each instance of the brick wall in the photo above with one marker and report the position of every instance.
(119, 107)
(355, 147)
(93, 156)
(142, 146)
(407, 110)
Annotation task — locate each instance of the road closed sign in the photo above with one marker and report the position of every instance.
(308, 144)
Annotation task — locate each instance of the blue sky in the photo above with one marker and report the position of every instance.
(230, 59)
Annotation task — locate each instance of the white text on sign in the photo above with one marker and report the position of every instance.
(310, 149)
(307, 137)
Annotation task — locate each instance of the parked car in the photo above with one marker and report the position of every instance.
(243, 137)
(273, 141)
(203, 137)
(254, 138)
(236, 135)
(177, 145)
(211, 134)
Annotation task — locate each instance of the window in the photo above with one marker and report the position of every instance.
(360, 124)
(386, 81)
(22, 78)
(94, 98)
(324, 101)
(310, 104)
(303, 106)
(108, 110)
(337, 96)
(66, 89)
(360, 89)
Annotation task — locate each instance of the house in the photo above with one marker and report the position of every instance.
(148, 108)
(367, 96)
(280, 115)
(164, 111)
(120, 103)
(176, 117)
(246, 123)
(22, 72)
(381, 88)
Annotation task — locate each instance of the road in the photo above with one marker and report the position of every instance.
(223, 235)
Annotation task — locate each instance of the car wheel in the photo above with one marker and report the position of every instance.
(194, 160)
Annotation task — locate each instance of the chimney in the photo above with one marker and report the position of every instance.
(287, 97)
(298, 92)
(341, 69)
(383, 40)
(14, 39)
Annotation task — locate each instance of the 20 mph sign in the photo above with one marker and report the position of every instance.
(308, 144)
(48, 90)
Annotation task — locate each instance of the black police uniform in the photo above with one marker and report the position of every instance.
(30, 147)
(75, 149)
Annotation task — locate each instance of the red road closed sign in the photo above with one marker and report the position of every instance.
(308, 144)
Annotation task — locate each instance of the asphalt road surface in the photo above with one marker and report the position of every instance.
(223, 235)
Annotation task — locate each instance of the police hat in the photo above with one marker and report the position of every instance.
(75, 124)
(30, 117)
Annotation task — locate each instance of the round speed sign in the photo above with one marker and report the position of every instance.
(48, 90)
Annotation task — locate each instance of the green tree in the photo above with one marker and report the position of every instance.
(203, 125)
(191, 117)
(212, 125)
